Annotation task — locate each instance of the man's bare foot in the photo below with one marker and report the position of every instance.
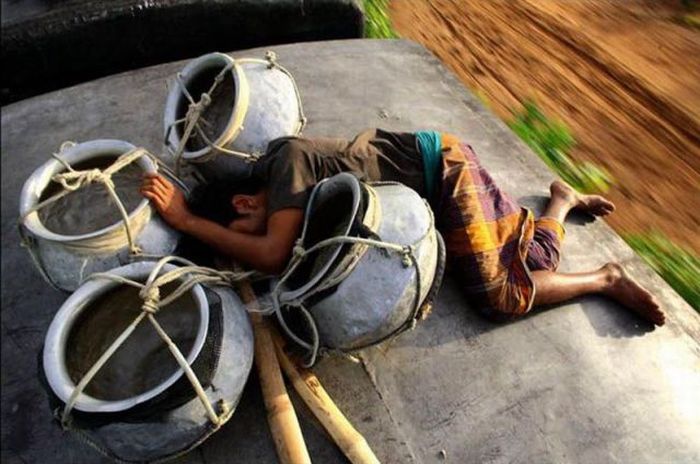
(592, 204)
(622, 288)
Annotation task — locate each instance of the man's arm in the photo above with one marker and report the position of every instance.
(267, 253)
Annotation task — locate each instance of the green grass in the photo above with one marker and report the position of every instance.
(377, 22)
(691, 20)
(678, 266)
(552, 140)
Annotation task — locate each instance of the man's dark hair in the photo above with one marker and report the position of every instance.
(213, 200)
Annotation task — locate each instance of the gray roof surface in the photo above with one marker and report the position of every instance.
(585, 382)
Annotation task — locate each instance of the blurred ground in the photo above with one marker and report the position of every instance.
(624, 76)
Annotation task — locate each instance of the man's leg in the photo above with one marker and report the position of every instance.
(610, 280)
(565, 198)
(544, 251)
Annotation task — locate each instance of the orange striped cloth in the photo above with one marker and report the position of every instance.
(492, 242)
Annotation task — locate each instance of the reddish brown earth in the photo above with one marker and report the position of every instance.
(623, 75)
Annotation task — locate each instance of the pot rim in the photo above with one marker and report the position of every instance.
(353, 184)
(37, 182)
(238, 112)
(57, 338)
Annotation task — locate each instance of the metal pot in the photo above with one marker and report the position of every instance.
(266, 105)
(65, 260)
(359, 293)
(166, 420)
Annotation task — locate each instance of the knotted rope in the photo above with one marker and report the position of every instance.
(71, 180)
(192, 122)
(194, 116)
(191, 275)
(271, 58)
(408, 259)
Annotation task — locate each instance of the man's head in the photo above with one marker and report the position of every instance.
(238, 205)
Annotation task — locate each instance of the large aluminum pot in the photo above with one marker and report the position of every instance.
(360, 293)
(65, 260)
(255, 101)
(145, 421)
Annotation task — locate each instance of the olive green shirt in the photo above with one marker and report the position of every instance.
(293, 165)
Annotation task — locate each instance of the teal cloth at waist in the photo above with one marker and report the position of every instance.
(430, 146)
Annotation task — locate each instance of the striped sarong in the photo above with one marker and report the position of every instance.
(492, 242)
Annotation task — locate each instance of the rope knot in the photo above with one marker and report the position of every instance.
(135, 250)
(73, 180)
(194, 111)
(151, 299)
(298, 250)
(406, 255)
(66, 145)
(205, 100)
(271, 57)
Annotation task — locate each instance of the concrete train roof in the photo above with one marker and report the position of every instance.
(585, 382)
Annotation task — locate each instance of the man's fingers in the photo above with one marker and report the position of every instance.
(149, 181)
(147, 184)
(151, 175)
(164, 202)
(164, 183)
(159, 200)
(156, 185)
(155, 178)
(153, 197)
(159, 189)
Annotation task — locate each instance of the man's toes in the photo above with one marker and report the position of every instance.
(602, 211)
(608, 208)
(658, 317)
(598, 205)
(653, 309)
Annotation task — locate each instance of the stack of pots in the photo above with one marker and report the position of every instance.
(143, 417)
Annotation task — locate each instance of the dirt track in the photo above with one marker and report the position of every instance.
(624, 76)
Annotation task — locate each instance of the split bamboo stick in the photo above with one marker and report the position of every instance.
(284, 426)
(348, 439)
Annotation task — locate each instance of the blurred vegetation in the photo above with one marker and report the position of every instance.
(692, 20)
(483, 98)
(692, 16)
(377, 22)
(551, 140)
(678, 266)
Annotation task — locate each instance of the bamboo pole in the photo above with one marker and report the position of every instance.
(284, 426)
(348, 439)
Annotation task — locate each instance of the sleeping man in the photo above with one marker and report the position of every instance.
(505, 259)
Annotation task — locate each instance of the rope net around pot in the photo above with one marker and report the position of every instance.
(198, 131)
(361, 238)
(72, 180)
(179, 281)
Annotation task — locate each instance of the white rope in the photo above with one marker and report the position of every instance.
(194, 117)
(72, 180)
(271, 57)
(192, 120)
(152, 303)
(299, 254)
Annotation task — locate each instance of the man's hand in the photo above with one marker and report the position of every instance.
(168, 200)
